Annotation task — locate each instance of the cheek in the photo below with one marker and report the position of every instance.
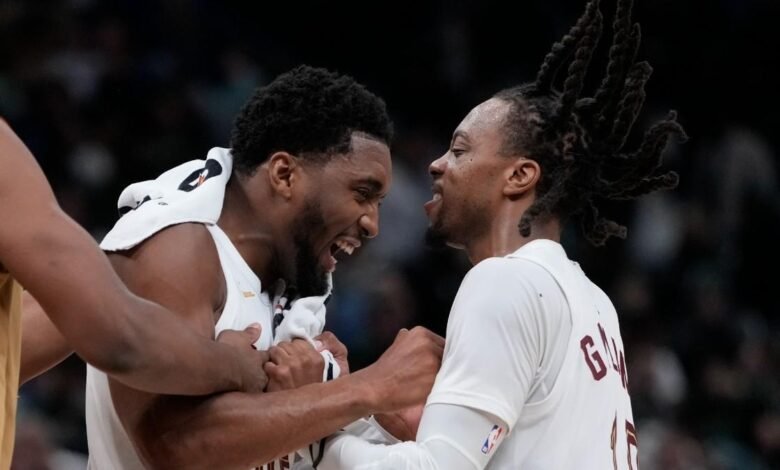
(480, 178)
(340, 214)
(469, 189)
(462, 181)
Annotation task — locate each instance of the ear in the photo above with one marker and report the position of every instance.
(521, 177)
(282, 173)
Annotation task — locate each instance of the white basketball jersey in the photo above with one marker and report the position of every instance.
(585, 422)
(109, 446)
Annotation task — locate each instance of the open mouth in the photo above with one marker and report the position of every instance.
(341, 247)
(431, 205)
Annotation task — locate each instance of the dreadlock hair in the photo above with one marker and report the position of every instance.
(309, 112)
(578, 141)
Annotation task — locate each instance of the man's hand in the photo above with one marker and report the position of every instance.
(328, 340)
(404, 375)
(250, 360)
(293, 364)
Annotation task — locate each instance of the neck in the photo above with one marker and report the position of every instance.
(251, 235)
(504, 236)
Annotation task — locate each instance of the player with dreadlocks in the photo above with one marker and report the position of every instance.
(534, 373)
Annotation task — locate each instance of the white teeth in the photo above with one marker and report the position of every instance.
(345, 247)
(436, 196)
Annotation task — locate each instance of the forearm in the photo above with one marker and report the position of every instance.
(136, 341)
(139, 342)
(440, 444)
(348, 452)
(43, 346)
(169, 357)
(245, 431)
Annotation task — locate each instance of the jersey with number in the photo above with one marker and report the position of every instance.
(110, 447)
(534, 343)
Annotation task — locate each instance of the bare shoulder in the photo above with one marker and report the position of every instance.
(185, 252)
(179, 268)
(173, 241)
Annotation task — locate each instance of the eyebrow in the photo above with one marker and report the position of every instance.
(459, 133)
(375, 185)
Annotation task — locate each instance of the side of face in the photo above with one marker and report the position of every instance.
(340, 207)
(468, 180)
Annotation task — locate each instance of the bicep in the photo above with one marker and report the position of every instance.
(492, 351)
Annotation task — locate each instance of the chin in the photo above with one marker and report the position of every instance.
(312, 283)
(438, 237)
(435, 237)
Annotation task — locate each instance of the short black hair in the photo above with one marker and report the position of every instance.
(578, 141)
(310, 112)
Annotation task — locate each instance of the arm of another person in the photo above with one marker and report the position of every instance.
(136, 341)
(44, 347)
(490, 362)
(440, 445)
(177, 269)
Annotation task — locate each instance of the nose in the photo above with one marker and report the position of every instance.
(436, 168)
(369, 222)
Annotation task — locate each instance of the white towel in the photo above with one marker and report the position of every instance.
(150, 206)
(194, 192)
(303, 318)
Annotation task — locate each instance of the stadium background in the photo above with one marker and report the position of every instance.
(107, 93)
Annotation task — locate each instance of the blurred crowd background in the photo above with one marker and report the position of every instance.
(108, 93)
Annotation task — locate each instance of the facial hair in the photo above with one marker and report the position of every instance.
(310, 279)
(472, 222)
(435, 237)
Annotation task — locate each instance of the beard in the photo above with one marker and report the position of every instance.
(309, 278)
(435, 237)
(472, 222)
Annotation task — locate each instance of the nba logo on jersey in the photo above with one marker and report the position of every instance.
(492, 438)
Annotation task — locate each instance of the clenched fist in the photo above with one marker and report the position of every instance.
(250, 360)
(404, 375)
(293, 364)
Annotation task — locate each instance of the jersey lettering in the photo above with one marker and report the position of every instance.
(612, 358)
(593, 357)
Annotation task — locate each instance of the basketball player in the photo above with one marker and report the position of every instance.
(310, 164)
(534, 370)
(136, 341)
